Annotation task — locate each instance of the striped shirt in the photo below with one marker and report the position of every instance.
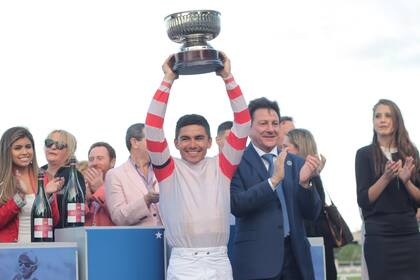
(195, 198)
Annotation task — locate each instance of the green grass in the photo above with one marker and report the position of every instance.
(351, 252)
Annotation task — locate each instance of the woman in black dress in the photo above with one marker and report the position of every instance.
(388, 182)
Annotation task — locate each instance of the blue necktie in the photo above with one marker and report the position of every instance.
(280, 194)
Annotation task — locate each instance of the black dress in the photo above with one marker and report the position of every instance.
(319, 228)
(392, 239)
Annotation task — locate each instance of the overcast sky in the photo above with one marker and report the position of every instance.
(91, 67)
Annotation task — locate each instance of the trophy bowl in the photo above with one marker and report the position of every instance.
(193, 29)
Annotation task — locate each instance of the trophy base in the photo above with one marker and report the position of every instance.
(194, 62)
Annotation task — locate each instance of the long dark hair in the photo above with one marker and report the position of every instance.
(401, 139)
(7, 179)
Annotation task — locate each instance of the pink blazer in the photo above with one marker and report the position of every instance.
(124, 196)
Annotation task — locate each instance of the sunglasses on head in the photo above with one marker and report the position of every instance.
(58, 145)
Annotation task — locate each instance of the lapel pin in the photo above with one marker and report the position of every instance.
(289, 163)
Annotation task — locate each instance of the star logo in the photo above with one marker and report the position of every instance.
(158, 235)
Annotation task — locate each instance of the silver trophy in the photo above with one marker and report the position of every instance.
(193, 29)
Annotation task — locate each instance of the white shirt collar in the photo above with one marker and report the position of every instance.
(260, 152)
(389, 151)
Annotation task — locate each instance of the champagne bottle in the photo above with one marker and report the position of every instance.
(41, 215)
(73, 205)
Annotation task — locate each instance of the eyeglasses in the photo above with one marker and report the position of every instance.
(58, 145)
(27, 265)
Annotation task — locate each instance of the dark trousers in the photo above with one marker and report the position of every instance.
(290, 269)
(331, 271)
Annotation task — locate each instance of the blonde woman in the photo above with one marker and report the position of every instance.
(60, 146)
(18, 186)
(302, 143)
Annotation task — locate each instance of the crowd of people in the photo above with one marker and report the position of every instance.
(272, 186)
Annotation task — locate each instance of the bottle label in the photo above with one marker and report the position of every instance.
(43, 228)
(75, 212)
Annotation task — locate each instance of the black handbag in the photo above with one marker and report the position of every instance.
(339, 229)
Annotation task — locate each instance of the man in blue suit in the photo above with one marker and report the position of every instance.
(271, 195)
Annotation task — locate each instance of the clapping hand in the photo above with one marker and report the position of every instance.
(278, 171)
(22, 188)
(323, 161)
(309, 169)
(392, 169)
(54, 185)
(406, 170)
(94, 179)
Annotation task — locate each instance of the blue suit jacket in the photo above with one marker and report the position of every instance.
(259, 242)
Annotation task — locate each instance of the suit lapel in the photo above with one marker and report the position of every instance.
(134, 178)
(253, 159)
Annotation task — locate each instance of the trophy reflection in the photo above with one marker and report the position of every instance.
(193, 29)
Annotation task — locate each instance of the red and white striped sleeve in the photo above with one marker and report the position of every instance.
(235, 144)
(156, 143)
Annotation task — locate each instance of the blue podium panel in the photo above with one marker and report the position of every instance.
(318, 257)
(46, 261)
(118, 252)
